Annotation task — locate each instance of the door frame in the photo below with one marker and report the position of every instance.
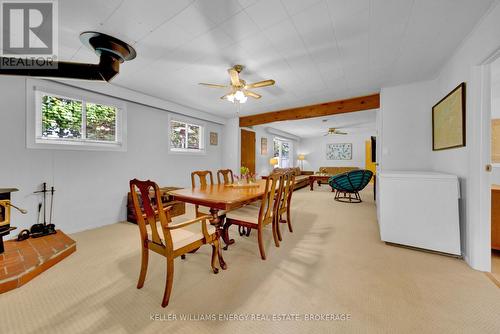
(480, 237)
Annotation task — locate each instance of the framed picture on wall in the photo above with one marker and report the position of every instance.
(448, 120)
(214, 138)
(263, 146)
(339, 151)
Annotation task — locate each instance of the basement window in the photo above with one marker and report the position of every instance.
(186, 137)
(65, 120)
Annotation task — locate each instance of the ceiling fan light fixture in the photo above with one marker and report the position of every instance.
(239, 88)
(239, 95)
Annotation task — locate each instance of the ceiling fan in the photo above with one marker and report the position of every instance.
(239, 89)
(335, 131)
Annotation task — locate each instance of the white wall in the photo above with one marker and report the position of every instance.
(231, 145)
(91, 185)
(465, 162)
(495, 89)
(314, 150)
(406, 127)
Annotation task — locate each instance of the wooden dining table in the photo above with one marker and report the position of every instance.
(220, 197)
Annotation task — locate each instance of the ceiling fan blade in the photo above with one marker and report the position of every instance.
(235, 77)
(261, 84)
(212, 85)
(340, 133)
(252, 94)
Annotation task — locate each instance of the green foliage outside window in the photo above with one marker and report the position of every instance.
(185, 136)
(101, 122)
(193, 137)
(178, 134)
(63, 118)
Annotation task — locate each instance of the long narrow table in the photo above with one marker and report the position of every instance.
(220, 197)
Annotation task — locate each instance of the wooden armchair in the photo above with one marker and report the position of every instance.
(253, 217)
(205, 178)
(227, 176)
(285, 202)
(177, 240)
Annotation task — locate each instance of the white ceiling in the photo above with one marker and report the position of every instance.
(316, 50)
(352, 123)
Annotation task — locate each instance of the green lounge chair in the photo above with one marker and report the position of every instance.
(348, 185)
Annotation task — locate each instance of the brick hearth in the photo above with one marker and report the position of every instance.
(24, 260)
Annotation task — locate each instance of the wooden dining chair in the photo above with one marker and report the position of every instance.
(205, 178)
(175, 240)
(259, 217)
(285, 202)
(227, 176)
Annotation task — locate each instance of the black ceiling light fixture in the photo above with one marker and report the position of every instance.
(111, 51)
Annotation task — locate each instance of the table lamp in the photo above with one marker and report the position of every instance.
(301, 158)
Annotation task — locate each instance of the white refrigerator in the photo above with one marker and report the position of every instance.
(419, 209)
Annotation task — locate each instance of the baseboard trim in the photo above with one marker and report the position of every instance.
(425, 250)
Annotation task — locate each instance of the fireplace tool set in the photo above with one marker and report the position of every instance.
(47, 227)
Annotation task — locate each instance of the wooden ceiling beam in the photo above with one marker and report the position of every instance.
(316, 110)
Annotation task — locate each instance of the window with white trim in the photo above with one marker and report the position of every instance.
(93, 121)
(186, 137)
(282, 150)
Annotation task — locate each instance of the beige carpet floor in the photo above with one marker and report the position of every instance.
(333, 263)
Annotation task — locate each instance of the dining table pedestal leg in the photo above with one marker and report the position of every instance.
(216, 221)
(225, 235)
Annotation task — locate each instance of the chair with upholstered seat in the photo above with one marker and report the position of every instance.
(350, 184)
(285, 201)
(175, 240)
(227, 176)
(259, 217)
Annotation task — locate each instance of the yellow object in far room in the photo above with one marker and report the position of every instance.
(369, 164)
(273, 161)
